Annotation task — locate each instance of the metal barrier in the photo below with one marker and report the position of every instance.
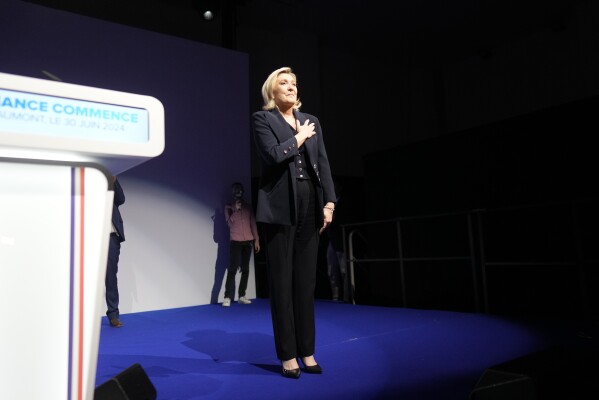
(480, 235)
(401, 259)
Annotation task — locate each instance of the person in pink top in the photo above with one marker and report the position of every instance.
(243, 236)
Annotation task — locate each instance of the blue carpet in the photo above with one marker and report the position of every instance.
(212, 352)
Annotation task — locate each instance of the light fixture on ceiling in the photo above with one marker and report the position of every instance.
(208, 15)
(207, 8)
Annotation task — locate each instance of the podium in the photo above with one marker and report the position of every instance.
(60, 145)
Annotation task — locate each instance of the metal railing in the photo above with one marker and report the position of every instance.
(478, 238)
(352, 259)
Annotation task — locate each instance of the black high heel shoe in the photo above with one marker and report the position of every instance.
(312, 369)
(291, 373)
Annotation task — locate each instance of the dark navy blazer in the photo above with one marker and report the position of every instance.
(277, 148)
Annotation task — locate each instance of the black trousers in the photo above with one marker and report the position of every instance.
(239, 257)
(111, 280)
(291, 256)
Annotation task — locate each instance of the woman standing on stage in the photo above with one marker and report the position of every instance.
(295, 204)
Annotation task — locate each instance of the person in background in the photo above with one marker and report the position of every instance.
(244, 238)
(117, 236)
(296, 200)
(336, 261)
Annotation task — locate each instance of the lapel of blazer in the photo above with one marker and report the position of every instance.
(280, 126)
(283, 133)
(311, 144)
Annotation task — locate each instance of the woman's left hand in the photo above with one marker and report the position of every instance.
(328, 217)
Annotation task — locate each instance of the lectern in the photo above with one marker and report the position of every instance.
(60, 144)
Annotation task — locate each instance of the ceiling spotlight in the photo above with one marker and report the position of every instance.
(208, 9)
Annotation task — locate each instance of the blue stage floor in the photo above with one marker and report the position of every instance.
(212, 352)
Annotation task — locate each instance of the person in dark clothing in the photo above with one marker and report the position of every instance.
(296, 200)
(117, 236)
(336, 260)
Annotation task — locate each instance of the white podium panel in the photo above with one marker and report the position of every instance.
(48, 120)
(60, 145)
(53, 251)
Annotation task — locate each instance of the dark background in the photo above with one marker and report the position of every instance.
(467, 126)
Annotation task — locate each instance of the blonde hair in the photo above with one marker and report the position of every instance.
(269, 86)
